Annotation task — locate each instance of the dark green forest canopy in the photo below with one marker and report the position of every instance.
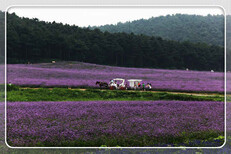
(31, 40)
(2, 37)
(180, 27)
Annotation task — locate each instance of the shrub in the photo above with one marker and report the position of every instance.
(11, 87)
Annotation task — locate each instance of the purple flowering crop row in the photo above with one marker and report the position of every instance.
(83, 74)
(30, 123)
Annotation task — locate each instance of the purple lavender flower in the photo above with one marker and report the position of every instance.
(84, 74)
(29, 123)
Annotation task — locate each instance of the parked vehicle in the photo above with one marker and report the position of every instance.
(121, 84)
(134, 83)
(117, 83)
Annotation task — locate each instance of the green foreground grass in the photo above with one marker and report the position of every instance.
(65, 94)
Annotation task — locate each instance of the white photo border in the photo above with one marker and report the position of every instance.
(116, 6)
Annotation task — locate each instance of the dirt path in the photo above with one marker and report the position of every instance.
(198, 94)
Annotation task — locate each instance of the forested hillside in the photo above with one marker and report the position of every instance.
(31, 40)
(228, 32)
(180, 27)
(2, 37)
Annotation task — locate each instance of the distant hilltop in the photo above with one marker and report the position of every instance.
(180, 27)
(31, 40)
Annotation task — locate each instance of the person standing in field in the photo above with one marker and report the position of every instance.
(143, 86)
(139, 84)
(149, 86)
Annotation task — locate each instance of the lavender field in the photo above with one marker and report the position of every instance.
(112, 123)
(85, 75)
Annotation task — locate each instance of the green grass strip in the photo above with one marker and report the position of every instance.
(64, 94)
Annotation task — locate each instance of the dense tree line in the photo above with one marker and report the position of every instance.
(228, 43)
(228, 32)
(2, 37)
(38, 41)
(180, 27)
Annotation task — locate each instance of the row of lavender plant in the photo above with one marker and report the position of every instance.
(30, 123)
(83, 74)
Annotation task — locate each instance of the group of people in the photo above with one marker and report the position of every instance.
(143, 86)
(148, 86)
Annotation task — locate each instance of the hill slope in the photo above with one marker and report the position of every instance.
(38, 41)
(179, 27)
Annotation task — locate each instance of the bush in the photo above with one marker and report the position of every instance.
(11, 87)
